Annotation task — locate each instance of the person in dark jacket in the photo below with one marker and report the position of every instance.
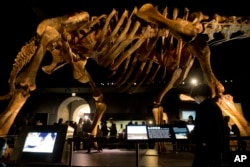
(207, 133)
(3, 146)
(226, 141)
(104, 129)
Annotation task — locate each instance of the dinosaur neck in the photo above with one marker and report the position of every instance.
(230, 28)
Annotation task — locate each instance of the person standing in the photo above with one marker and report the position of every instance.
(79, 130)
(3, 147)
(104, 129)
(207, 134)
(60, 122)
(79, 134)
(98, 137)
(112, 129)
(190, 119)
(112, 132)
(86, 129)
(226, 141)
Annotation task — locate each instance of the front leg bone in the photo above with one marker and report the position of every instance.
(200, 49)
(27, 77)
(19, 98)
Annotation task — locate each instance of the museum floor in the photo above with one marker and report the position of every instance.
(127, 158)
(123, 157)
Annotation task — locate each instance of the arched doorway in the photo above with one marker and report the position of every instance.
(72, 108)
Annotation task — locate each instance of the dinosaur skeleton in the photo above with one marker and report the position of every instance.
(136, 47)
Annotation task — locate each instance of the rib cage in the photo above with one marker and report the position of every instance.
(129, 43)
(126, 44)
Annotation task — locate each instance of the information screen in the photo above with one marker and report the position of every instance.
(190, 127)
(180, 132)
(186, 113)
(159, 132)
(149, 133)
(136, 132)
(39, 142)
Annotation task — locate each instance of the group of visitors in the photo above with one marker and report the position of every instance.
(84, 129)
(82, 133)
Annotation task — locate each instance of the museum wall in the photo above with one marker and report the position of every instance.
(119, 106)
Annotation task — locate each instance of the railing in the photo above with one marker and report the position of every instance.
(237, 143)
(119, 141)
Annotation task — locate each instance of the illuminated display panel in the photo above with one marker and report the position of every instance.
(190, 127)
(184, 114)
(159, 132)
(42, 142)
(136, 132)
(180, 132)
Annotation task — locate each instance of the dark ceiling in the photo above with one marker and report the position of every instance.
(20, 18)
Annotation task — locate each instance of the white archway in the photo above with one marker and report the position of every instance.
(80, 111)
(73, 108)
